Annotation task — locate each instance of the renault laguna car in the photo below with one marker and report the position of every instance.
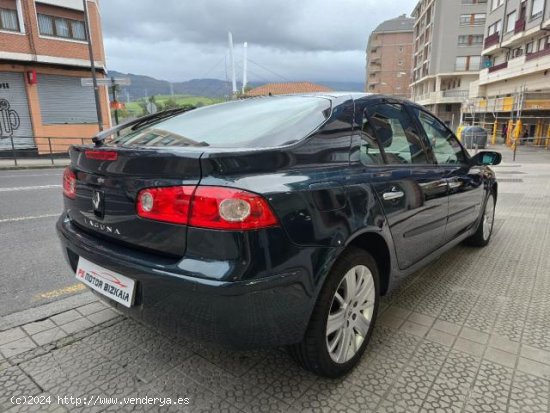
(272, 221)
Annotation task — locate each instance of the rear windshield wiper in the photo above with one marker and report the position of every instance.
(138, 123)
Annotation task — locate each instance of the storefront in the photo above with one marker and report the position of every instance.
(15, 119)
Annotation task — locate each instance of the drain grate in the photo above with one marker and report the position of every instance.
(509, 180)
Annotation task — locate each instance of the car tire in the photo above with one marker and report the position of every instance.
(352, 309)
(484, 230)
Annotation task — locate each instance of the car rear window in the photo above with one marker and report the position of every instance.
(261, 122)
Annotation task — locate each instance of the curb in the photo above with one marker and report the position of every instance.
(45, 311)
(26, 167)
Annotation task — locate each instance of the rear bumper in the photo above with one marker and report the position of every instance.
(261, 312)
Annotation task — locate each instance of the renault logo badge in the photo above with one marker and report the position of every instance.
(98, 202)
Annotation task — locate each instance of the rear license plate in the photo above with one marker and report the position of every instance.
(115, 286)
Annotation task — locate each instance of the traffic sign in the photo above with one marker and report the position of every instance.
(106, 81)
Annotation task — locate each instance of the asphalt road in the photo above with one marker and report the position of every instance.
(32, 269)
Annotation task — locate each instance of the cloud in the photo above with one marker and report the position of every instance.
(297, 40)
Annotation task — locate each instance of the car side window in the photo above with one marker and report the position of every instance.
(444, 145)
(370, 153)
(396, 134)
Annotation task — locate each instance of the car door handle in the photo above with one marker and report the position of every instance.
(390, 196)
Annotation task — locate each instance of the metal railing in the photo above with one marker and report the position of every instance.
(38, 151)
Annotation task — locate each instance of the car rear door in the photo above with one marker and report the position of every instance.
(411, 188)
(466, 191)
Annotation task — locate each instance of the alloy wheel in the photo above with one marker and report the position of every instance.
(350, 314)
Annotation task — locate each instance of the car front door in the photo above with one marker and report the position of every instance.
(466, 191)
(411, 188)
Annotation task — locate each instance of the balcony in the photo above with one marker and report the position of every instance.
(455, 93)
(536, 55)
(519, 26)
(498, 67)
(491, 40)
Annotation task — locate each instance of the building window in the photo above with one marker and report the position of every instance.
(466, 2)
(61, 27)
(529, 48)
(494, 28)
(497, 3)
(477, 19)
(470, 40)
(536, 8)
(9, 20)
(510, 21)
(467, 63)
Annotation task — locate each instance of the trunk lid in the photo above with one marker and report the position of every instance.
(106, 192)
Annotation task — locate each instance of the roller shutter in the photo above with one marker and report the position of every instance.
(63, 100)
(15, 120)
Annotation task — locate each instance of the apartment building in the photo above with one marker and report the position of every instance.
(389, 57)
(448, 39)
(43, 56)
(516, 53)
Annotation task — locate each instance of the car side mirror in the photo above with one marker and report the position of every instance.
(486, 158)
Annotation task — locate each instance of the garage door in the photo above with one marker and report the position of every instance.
(15, 120)
(63, 100)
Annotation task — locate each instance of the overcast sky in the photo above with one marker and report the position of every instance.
(180, 40)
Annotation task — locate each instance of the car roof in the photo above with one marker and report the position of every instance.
(337, 95)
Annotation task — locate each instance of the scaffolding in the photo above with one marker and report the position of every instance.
(521, 118)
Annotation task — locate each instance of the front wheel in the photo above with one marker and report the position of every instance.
(483, 233)
(343, 317)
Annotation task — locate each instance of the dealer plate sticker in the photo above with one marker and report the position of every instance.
(115, 286)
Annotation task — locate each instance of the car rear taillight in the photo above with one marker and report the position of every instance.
(69, 183)
(170, 204)
(101, 155)
(206, 207)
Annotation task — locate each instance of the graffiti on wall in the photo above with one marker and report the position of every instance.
(9, 119)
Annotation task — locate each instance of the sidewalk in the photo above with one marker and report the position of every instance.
(469, 333)
(32, 163)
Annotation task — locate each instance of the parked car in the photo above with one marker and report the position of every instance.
(272, 221)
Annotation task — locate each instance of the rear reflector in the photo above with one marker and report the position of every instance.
(69, 183)
(206, 207)
(101, 155)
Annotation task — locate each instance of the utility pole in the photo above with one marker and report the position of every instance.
(231, 57)
(92, 64)
(115, 102)
(245, 64)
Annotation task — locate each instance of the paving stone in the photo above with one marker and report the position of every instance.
(91, 308)
(536, 354)
(534, 367)
(501, 357)
(398, 312)
(390, 320)
(414, 328)
(102, 316)
(77, 325)
(37, 327)
(14, 348)
(474, 335)
(441, 337)
(503, 343)
(11, 335)
(49, 336)
(468, 346)
(446, 327)
(422, 319)
(66, 317)
(15, 383)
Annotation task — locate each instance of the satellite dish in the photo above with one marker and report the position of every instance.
(151, 108)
